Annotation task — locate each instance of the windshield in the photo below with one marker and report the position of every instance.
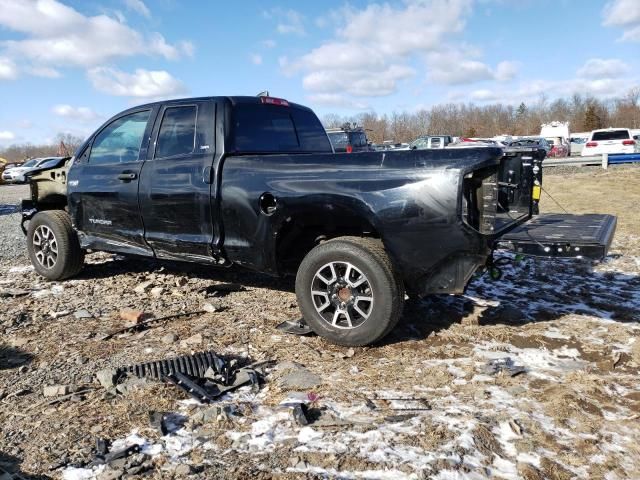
(49, 162)
(611, 135)
(578, 140)
(31, 163)
(525, 142)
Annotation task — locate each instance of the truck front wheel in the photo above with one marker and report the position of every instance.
(53, 246)
(348, 291)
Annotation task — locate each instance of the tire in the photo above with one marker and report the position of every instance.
(373, 306)
(49, 231)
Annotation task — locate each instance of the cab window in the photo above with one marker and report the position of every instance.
(120, 141)
(177, 131)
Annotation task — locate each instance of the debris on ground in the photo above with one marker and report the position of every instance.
(295, 327)
(418, 405)
(138, 324)
(506, 364)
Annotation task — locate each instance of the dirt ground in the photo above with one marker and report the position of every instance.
(423, 404)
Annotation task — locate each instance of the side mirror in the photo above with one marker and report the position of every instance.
(415, 147)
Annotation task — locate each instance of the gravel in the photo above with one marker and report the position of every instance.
(417, 405)
(13, 251)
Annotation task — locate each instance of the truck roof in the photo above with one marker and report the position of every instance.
(233, 100)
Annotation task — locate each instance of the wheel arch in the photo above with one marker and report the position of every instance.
(303, 229)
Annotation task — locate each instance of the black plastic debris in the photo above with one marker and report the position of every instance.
(204, 376)
(190, 386)
(304, 414)
(157, 420)
(299, 414)
(506, 364)
(103, 456)
(295, 327)
(194, 365)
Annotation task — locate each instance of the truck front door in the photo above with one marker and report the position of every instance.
(176, 182)
(102, 186)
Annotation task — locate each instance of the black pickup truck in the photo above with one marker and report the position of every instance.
(254, 182)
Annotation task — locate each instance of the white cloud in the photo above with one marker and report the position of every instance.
(290, 22)
(603, 68)
(142, 83)
(8, 69)
(256, 58)
(46, 72)
(82, 114)
(336, 100)
(6, 135)
(506, 71)
(370, 54)
(138, 6)
(624, 14)
(418, 26)
(458, 66)
(533, 89)
(58, 34)
(269, 43)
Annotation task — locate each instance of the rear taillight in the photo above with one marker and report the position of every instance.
(349, 149)
(274, 101)
(628, 142)
(591, 144)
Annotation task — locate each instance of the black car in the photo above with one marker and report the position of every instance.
(349, 140)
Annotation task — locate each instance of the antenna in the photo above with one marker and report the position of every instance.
(264, 93)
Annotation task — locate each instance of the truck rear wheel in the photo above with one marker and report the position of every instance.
(348, 291)
(53, 246)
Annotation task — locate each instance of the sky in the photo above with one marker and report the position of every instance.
(66, 66)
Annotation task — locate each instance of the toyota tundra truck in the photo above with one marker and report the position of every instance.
(254, 182)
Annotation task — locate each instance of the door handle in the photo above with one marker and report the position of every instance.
(206, 175)
(127, 177)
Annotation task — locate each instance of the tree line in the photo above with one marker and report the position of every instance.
(64, 144)
(584, 113)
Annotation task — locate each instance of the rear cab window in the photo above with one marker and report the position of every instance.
(177, 131)
(358, 139)
(611, 135)
(263, 128)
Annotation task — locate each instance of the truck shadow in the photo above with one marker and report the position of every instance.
(11, 357)
(10, 468)
(8, 209)
(533, 291)
(129, 265)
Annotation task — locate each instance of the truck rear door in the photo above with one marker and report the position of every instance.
(102, 186)
(176, 182)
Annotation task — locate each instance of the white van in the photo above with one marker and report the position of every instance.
(610, 140)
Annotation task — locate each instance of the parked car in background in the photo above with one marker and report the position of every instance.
(558, 147)
(349, 140)
(479, 142)
(389, 145)
(17, 174)
(577, 145)
(610, 141)
(532, 142)
(431, 141)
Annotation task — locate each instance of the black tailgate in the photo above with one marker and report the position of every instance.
(562, 235)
